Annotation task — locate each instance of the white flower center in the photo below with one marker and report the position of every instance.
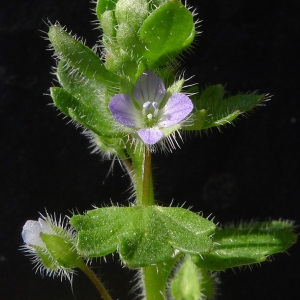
(150, 112)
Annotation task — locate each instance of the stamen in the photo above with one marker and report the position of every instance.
(146, 106)
(155, 106)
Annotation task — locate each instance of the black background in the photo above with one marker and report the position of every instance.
(249, 171)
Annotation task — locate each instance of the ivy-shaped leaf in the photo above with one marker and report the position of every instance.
(247, 244)
(142, 235)
(163, 34)
(212, 110)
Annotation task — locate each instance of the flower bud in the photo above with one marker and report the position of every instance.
(51, 246)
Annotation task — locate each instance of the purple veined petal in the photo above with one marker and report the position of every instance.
(149, 87)
(123, 110)
(177, 108)
(150, 136)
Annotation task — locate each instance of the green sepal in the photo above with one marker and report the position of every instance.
(247, 244)
(63, 252)
(164, 35)
(171, 129)
(78, 56)
(46, 258)
(143, 236)
(174, 88)
(220, 111)
(111, 146)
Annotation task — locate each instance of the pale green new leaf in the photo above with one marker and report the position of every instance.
(191, 282)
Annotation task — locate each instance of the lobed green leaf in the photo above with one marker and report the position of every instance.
(142, 235)
(247, 244)
(220, 111)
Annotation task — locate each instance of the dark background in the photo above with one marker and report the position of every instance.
(249, 171)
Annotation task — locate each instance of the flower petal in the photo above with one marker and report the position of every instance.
(150, 136)
(31, 233)
(149, 87)
(45, 226)
(123, 110)
(177, 108)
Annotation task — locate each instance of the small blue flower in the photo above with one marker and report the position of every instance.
(146, 113)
